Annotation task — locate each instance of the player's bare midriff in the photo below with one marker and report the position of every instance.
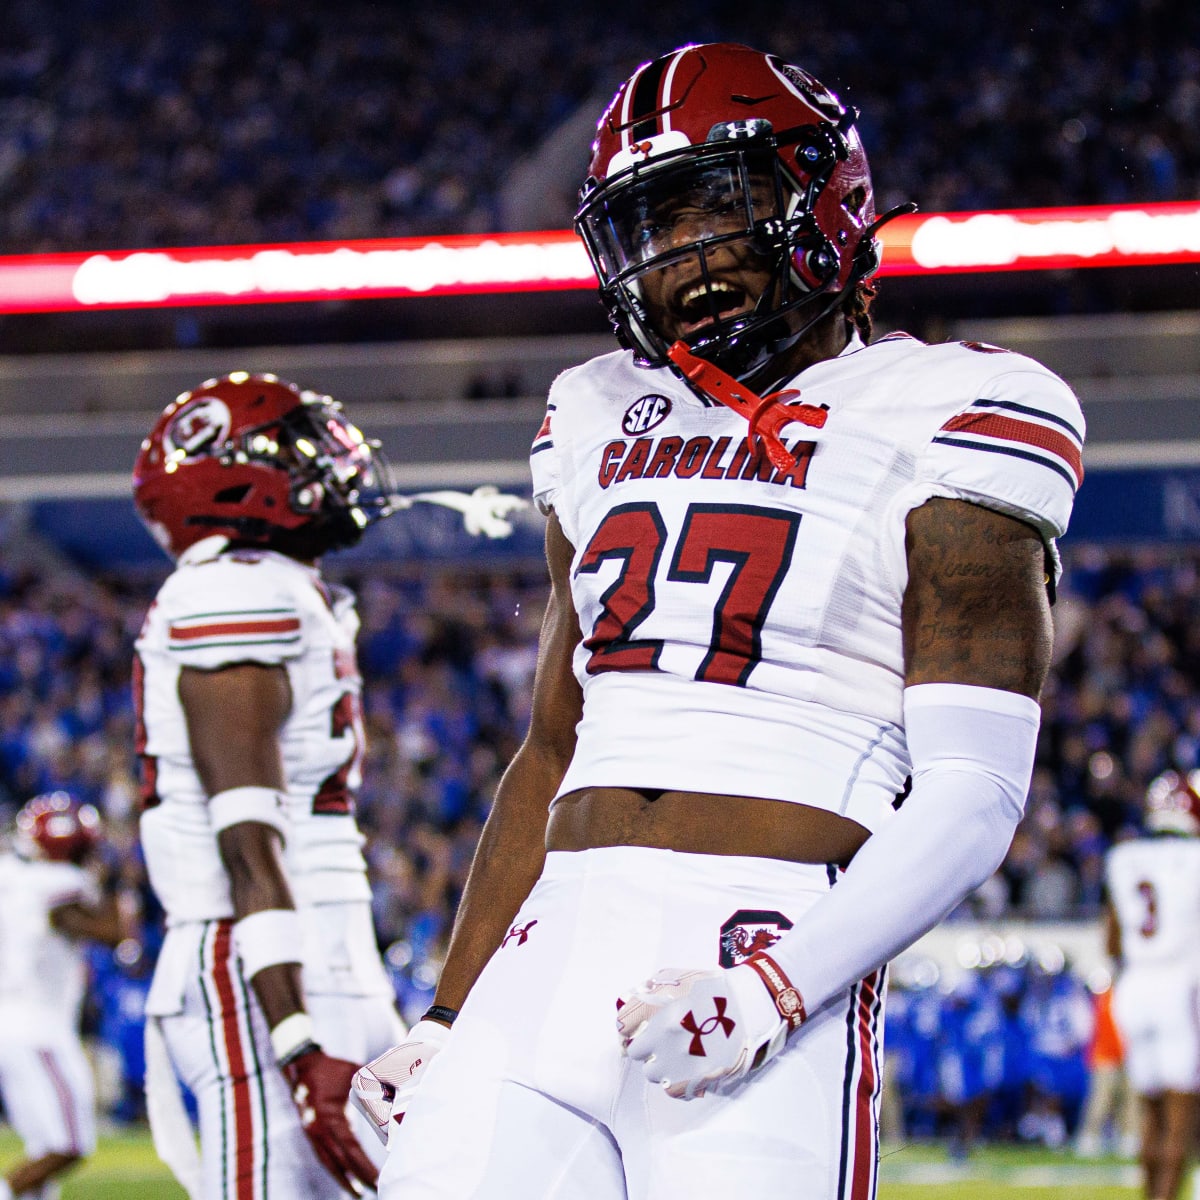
(702, 823)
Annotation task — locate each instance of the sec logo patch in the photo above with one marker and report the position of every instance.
(645, 414)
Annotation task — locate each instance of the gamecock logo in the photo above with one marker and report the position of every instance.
(711, 1024)
(198, 427)
(814, 93)
(748, 931)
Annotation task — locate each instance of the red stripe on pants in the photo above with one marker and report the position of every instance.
(864, 1103)
(231, 1033)
(63, 1092)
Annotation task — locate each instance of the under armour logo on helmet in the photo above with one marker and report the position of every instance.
(520, 932)
(710, 1025)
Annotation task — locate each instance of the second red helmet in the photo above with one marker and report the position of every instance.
(261, 462)
(57, 827)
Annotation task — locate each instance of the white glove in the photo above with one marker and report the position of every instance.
(383, 1089)
(484, 510)
(488, 511)
(700, 1031)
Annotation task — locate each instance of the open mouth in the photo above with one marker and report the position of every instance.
(697, 305)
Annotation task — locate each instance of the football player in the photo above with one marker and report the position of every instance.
(269, 990)
(787, 693)
(1153, 885)
(50, 904)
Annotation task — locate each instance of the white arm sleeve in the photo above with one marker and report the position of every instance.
(972, 752)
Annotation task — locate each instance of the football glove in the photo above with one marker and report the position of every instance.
(704, 1031)
(320, 1088)
(383, 1088)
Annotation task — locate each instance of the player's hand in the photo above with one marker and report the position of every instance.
(383, 1088)
(701, 1031)
(320, 1088)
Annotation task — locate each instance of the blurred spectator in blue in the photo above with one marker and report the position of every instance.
(970, 1059)
(1057, 1017)
(121, 982)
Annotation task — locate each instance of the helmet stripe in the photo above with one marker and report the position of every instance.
(676, 59)
(645, 106)
(626, 98)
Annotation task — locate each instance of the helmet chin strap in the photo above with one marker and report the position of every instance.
(766, 415)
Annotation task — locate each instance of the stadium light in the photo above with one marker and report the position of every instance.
(940, 243)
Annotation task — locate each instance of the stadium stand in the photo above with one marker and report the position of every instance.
(153, 123)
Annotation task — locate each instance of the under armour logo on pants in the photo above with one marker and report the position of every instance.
(520, 932)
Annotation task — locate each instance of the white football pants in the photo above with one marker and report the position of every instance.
(532, 1098)
(1157, 1009)
(47, 1085)
(252, 1144)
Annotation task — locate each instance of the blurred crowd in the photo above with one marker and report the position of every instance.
(1023, 1049)
(150, 123)
(448, 657)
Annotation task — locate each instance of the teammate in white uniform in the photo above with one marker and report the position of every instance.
(758, 641)
(49, 905)
(1153, 887)
(269, 990)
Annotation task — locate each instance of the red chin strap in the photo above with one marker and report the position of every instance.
(766, 415)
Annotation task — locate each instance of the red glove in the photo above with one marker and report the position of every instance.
(320, 1087)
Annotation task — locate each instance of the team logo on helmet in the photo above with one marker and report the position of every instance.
(811, 90)
(645, 413)
(197, 427)
(748, 931)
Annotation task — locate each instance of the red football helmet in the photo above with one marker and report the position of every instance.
(764, 147)
(1173, 803)
(254, 458)
(56, 826)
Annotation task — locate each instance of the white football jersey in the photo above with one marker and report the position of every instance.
(221, 607)
(42, 973)
(741, 624)
(1154, 887)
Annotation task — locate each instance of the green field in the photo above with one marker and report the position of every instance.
(1003, 1173)
(125, 1168)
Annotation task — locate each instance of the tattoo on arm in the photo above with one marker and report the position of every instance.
(975, 609)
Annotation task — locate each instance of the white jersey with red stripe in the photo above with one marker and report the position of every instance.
(727, 603)
(222, 607)
(42, 973)
(1154, 887)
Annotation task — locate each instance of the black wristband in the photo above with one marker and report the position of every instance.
(439, 1012)
(300, 1051)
